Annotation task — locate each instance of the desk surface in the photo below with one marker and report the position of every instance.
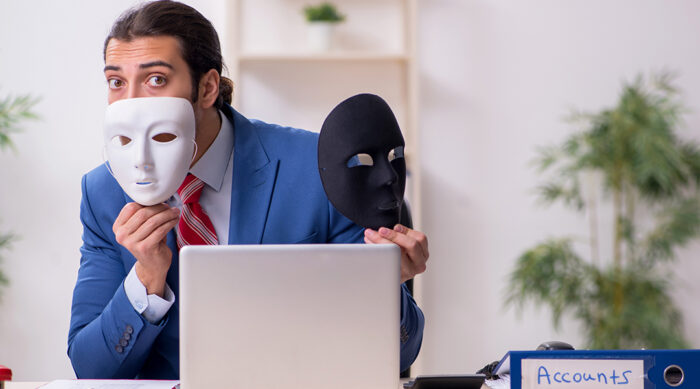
(34, 385)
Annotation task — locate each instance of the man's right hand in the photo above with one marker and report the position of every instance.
(143, 231)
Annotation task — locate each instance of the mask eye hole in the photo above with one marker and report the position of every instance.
(164, 137)
(396, 152)
(361, 159)
(120, 140)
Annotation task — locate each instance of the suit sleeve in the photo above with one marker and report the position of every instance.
(342, 230)
(107, 337)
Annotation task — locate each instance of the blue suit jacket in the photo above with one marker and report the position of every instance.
(277, 197)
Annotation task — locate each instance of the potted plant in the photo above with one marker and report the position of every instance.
(321, 20)
(12, 111)
(650, 177)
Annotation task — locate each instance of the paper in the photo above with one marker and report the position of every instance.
(563, 373)
(111, 384)
(503, 382)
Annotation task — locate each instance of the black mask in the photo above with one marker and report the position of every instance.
(360, 159)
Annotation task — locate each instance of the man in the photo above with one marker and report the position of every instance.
(260, 186)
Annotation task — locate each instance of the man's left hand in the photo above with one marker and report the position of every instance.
(413, 244)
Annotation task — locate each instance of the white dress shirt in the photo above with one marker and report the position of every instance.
(215, 168)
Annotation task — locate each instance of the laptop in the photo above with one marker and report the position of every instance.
(290, 316)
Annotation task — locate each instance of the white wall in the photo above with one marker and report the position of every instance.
(496, 78)
(52, 49)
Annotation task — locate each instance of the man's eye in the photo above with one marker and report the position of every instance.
(361, 159)
(156, 81)
(115, 83)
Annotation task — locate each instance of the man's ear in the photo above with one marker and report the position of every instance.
(208, 88)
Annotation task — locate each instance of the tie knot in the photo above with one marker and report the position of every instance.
(191, 189)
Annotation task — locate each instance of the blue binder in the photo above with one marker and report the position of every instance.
(630, 369)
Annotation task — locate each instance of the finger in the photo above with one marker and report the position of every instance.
(374, 237)
(125, 214)
(367, 241)
(414, 260)
(155, 222)
(159, 234)
(410, 267)
(417, 235)
(404, 241)
(140, 217)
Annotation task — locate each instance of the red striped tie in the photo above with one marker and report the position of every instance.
(194, 227)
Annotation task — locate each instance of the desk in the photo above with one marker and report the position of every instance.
(23, 385)
(34, 385)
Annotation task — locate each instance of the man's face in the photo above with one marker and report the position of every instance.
(146, 67)
(149, 136)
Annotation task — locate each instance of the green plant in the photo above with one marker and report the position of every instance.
(651, 177)
(13, 110)
(324, 12)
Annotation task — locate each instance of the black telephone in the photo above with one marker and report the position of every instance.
(468, 381)
(489, 369)
(472, 381)
(555, 345)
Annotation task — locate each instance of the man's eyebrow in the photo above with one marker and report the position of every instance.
(141, 66)
(155, 63)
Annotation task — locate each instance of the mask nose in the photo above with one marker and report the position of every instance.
(142, 158)
(386, 175)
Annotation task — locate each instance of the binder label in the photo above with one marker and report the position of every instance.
(582, 373)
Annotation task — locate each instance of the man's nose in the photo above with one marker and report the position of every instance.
(134, 90)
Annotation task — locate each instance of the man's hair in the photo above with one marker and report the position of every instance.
(199, 42)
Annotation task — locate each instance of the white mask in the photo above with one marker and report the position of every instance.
(149, 145)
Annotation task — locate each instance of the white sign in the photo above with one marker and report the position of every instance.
(582, 373)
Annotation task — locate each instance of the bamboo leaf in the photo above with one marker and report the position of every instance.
(622, 302)
(13, 110)
(550, 273)
(677, 224)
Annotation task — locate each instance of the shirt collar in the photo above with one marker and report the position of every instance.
(211, 167)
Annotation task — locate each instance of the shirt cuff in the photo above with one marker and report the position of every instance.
(152, 307)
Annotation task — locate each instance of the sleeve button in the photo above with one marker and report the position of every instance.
(126, 336)
(129, 329)
(123, 342)
(119, 349)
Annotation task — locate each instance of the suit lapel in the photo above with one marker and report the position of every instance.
(253, 181)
